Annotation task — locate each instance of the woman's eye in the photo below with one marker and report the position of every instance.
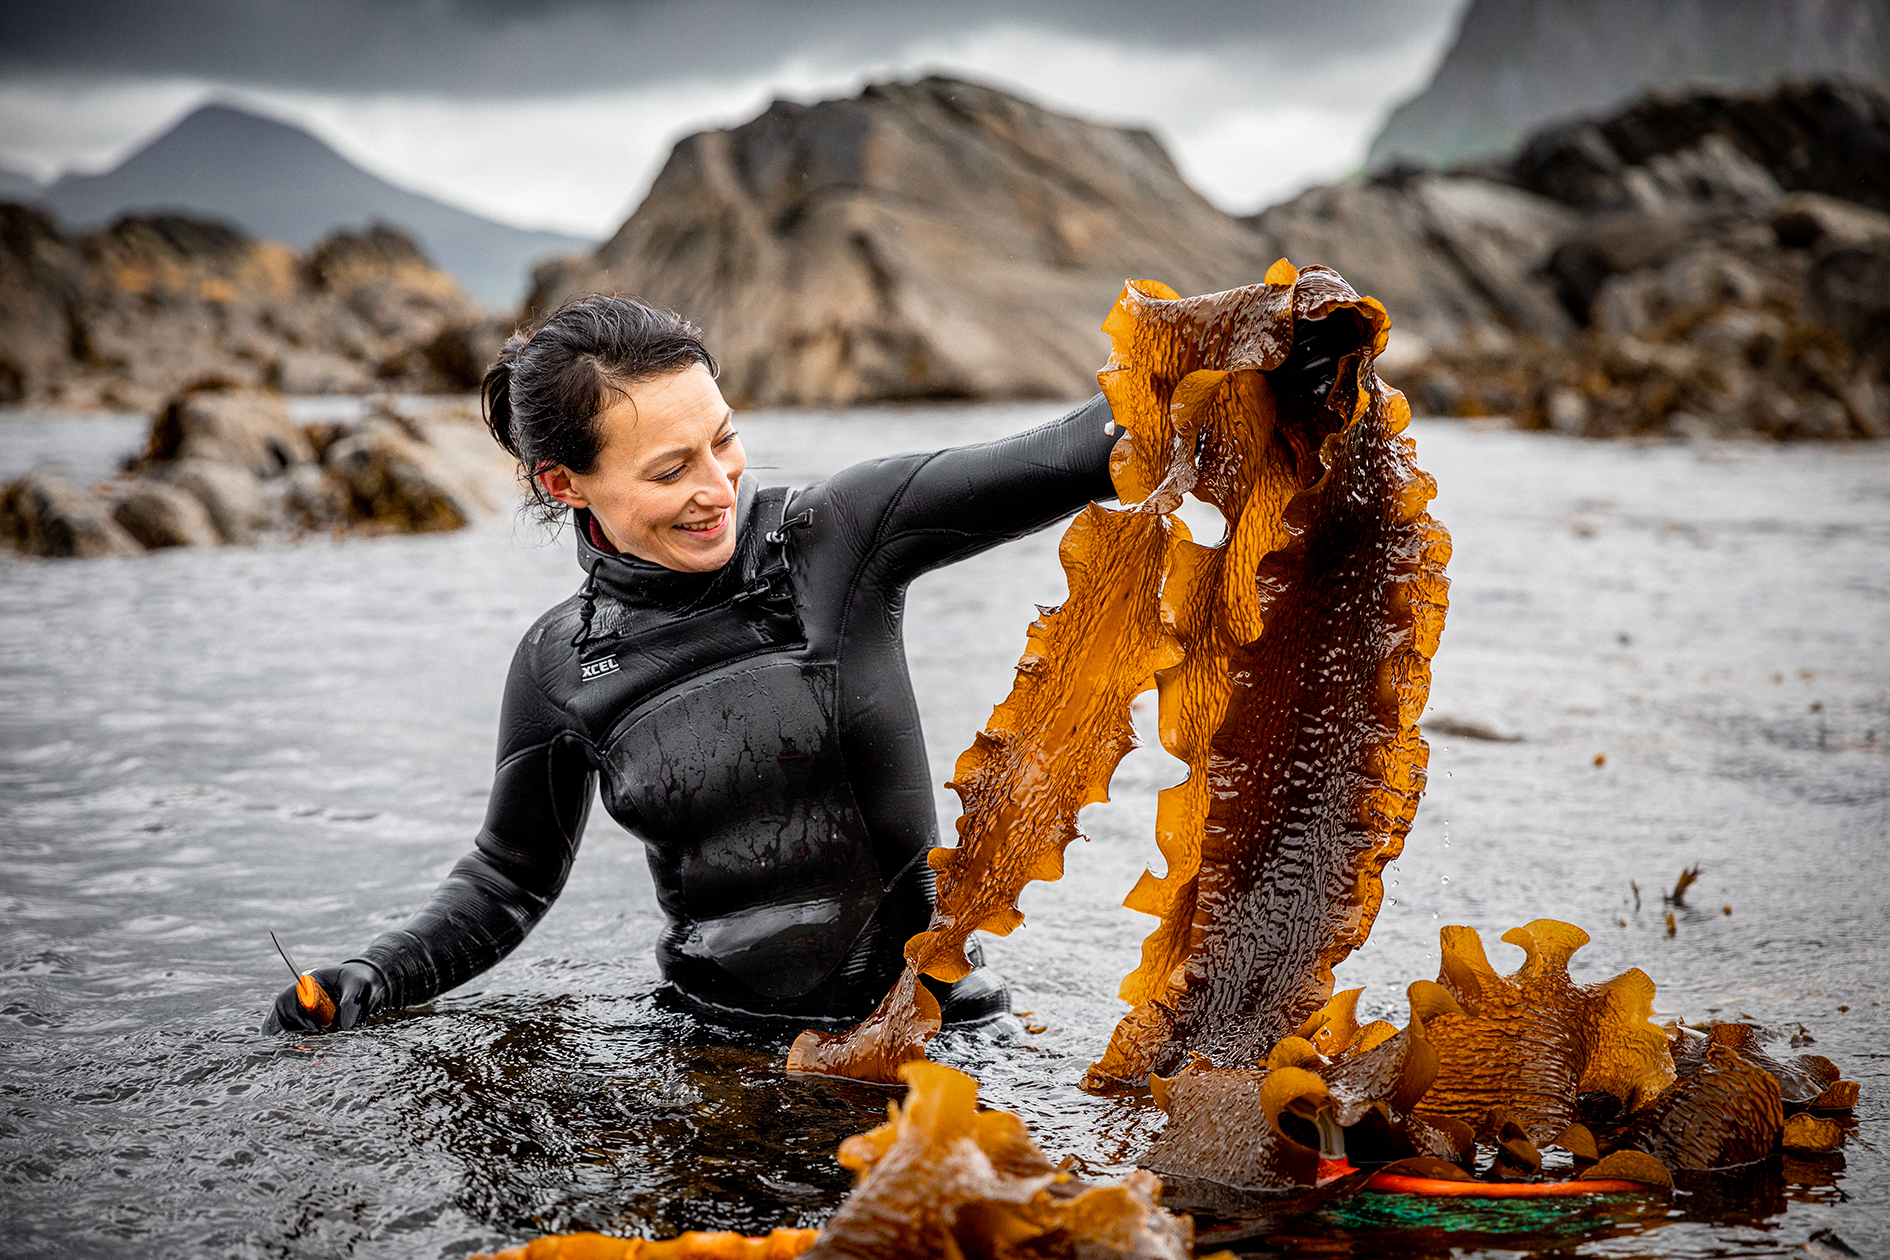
(671, 475)
(725, 439)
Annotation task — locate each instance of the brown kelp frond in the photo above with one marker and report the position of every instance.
(1327, 537)
(1264, 1128)
(1533, 1041)
(1804, 1080)
(942, 1179)
(1244, 399)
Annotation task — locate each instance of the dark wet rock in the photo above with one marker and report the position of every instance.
(43, 516)
(399, 482)
(1723, 275)
(314, 499)
(460, 353)
(1827, 137)
(158, 514)
(231, 495)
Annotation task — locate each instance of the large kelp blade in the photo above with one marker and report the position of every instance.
(1048, 751)
(1314, 771)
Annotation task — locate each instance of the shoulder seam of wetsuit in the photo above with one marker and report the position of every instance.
(873, 548)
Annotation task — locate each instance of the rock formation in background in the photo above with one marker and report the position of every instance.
(936, 239)
(232, 466)
(1519, 64)
(128, 316)
(1712, 264)
(1727, 272)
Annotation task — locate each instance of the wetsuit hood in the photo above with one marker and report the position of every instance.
(641, 584)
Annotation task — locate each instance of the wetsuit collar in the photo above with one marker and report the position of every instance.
(638, 582)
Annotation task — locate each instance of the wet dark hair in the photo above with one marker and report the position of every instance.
(543, 395)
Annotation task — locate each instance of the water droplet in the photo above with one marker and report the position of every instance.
(1433, 914)
(1449, 775)
(1394, 901)
(1446, 879)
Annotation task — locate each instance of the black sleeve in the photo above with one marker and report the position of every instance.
(496, 894)
(950, 504)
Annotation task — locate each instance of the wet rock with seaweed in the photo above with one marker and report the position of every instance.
(232, 466)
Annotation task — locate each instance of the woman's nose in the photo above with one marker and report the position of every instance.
(716, 489)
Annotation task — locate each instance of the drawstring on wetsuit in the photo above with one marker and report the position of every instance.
(587, 595)
(801, 520)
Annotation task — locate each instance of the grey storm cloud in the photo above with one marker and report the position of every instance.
(538, 48)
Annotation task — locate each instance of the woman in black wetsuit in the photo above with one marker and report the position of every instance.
(732, 667)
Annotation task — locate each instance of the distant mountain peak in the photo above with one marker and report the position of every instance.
(278, 181)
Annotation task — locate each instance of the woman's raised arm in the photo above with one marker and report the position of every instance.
(926, 510)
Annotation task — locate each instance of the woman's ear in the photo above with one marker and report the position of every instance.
(557, 483)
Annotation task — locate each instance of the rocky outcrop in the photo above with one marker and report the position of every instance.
(1518, 65)
(131, 315)
(233, 467)
(43, 516)
(936, 239)
(1721, 265)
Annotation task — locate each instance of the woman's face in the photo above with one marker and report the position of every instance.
(663, 486)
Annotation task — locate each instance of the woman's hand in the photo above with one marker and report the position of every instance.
(356, 989)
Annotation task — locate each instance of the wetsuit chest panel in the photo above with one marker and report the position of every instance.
(757, 846)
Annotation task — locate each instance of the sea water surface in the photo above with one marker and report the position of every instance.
(1687, 648)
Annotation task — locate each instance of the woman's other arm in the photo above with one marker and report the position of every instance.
(495, 895)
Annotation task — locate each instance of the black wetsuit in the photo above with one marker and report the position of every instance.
(755, 726)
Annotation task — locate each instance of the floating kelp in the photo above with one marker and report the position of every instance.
(1533, 1042)
(1490, 1071)
(1305, 763)
(942, 1179)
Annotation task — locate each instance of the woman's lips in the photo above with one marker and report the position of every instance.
(705, 529)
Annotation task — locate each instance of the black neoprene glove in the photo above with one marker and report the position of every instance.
(355, 987)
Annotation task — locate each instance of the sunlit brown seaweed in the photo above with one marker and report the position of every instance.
(1313, 771)
(1265, 1128)
(942, 1179)
(1316, 766)
(1341, 525)
(1533, 1041)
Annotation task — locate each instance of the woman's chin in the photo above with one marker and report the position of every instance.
(691, 556)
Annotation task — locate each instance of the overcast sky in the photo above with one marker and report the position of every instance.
(557, 113)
